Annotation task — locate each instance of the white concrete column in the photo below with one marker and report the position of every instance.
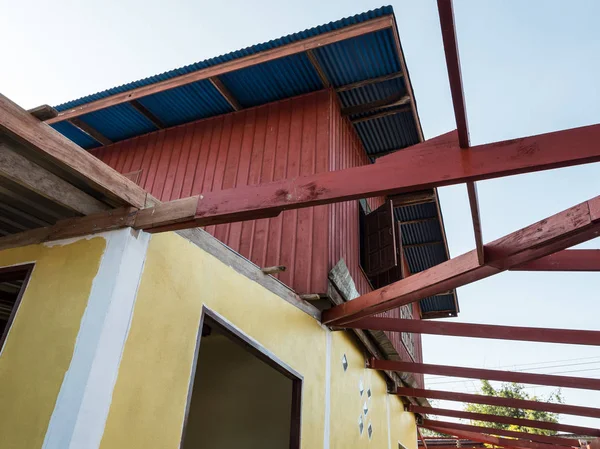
(85, 396)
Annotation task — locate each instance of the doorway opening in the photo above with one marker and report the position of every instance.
(240, 394)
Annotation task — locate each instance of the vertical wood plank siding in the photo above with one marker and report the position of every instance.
(346, 151)
(267, 143)
(300, 136)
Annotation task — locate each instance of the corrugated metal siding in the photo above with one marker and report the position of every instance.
(271, 142)
(346, 152)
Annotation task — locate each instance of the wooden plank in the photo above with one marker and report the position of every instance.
(377, 105)
(230, 66)
(22, 171)
(43, 112)
(90, 131)
(472, 416)
(315, 63)
(382, 114)
(436, 162)
(592, 412)
(158, 123)
(566, 260)
(52, 145)
(225, 93)
(477, 230)
(446, 14)
(472, 330)
(560, 231)
(477, 373)
(523, 439)
(369, 81)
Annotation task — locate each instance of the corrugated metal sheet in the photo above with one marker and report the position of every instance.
(258, 145)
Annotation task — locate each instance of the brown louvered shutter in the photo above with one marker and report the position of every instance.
(380, 240)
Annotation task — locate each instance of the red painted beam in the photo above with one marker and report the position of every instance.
(538, 334)
(477, 373)
(563, 230)
(433, 163)
(566, 260)
(478, 433)
(592, 412)
(506, 420)
(476, 219)
(446, 13)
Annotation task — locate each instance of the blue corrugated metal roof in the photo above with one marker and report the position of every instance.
(360, 58)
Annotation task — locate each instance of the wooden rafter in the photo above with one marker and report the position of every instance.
(152, 118)
(592, 412)
(477, 373)
(560, 231)
(475, 217)
(225, 93)
(537, 334)
(369, 81)
(566, 260)
(385, 113)
(90, 131)
(487, 435)
(303, 45)
(472, 416)
(315, 63)
(377, 105)
(52, 146)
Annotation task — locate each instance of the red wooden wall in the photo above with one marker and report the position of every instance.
(298, 136)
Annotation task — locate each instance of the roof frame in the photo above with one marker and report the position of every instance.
(489, 374)
(301, 46)
(566, 409)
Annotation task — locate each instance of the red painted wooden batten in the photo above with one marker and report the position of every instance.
(298, 136)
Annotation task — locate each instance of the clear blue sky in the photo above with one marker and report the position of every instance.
(529, 67)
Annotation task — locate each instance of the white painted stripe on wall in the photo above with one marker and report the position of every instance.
(327, 391)
(82, 405)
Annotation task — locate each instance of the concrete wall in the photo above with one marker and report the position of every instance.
(102, 349)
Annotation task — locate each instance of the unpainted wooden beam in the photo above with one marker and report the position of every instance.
(152, 118)
(90, 131)
(378, 115)
(225, 93)
(377, 105)
(315, 63)
(51, 145)
(22, 171)
(369, 81)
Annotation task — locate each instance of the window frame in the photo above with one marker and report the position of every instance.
(25, 269)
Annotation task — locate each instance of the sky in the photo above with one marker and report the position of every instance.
(529, 67)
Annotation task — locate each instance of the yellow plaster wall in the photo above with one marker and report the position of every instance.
(40, 344)
(151, 390)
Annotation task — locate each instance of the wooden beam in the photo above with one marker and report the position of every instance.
(566, 260)
(22, 171)
(53, 146)
(477, 373)
(436, 162)
(446, 14)
(377, 105)
(421, 438)
(478, 433)
(315, 63)
(420, 245)
(43, 112)
(158, 123)
(474, 205)
(90, 131)
(382, 114)
(563, 230)
(225, 93)
(471, 416)
(369, 81)
(300, 46)
(471, 330)
(408, 199)
(592, 412)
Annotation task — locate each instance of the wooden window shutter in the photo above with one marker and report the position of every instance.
(380, 240)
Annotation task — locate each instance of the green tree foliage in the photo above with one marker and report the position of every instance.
(514, 391)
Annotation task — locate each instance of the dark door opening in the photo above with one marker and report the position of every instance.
(240, 395)
(13, 281)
